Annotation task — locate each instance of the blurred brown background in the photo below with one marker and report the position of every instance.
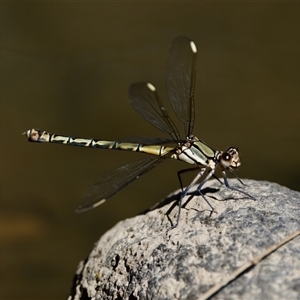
(66, 68)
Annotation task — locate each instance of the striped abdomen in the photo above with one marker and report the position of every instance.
(40, 136)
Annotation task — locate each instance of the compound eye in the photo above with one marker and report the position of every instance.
(226, 160)
(226, 157)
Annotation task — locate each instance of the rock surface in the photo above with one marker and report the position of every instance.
(140, 258)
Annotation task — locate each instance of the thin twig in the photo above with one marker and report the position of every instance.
(247, 266)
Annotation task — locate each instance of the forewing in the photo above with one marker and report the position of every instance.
(145, 100)
(180, 80)
(115, 180)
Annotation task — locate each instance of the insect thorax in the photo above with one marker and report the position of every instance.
(194, 151)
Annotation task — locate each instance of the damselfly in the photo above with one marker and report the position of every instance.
(180, 84)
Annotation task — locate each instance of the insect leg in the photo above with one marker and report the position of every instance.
(184, 192)
(233, 188)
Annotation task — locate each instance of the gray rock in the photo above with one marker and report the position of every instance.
(140, 258)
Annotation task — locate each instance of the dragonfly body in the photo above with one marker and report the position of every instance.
(193, 151)
(180, 82)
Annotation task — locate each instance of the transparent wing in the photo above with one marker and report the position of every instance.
(180, 80)
(115, 180)
(145, 100)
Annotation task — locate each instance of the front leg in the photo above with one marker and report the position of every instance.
(233, 188)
